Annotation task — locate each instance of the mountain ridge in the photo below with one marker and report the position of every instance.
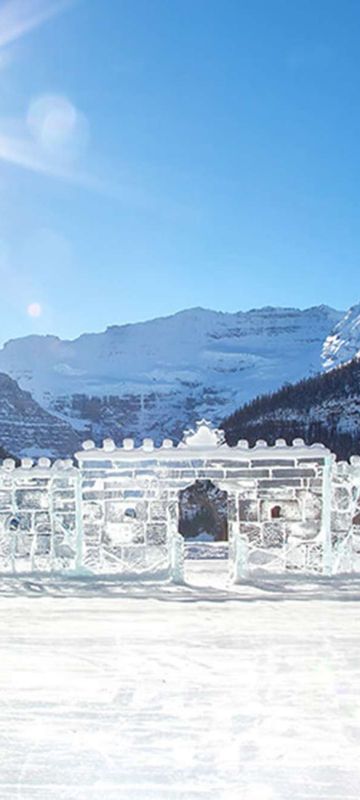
(155, 378)
(344, 343)
(182, 312)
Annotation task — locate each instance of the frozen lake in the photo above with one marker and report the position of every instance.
(113, 692)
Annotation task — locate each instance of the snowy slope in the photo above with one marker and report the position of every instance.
(26, 429)
(157, 377)
(324, 408)
(344, 343)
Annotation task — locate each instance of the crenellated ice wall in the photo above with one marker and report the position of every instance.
(290, 508)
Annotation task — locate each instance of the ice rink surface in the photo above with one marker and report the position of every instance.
(115, 692)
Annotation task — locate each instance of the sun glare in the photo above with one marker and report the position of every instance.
(34, 310)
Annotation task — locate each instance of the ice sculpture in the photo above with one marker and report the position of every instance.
(115, 510)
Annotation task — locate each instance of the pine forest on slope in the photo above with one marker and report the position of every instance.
(324, 409)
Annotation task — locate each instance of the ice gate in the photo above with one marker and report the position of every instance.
(290, 508)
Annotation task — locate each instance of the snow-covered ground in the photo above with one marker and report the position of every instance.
(116, 691)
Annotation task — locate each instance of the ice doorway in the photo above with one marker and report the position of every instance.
(203, 519)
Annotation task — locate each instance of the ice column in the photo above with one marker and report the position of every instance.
(240, 549)
(79, 528)
(176, 555)
(327, 564)
(241, 568)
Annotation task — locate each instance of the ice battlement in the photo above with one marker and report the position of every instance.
(205, 439)
(116, 509)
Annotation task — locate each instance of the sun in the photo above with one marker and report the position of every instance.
(34, 310)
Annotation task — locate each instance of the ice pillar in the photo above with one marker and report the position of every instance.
(239, 548)
(241, 567)
(327, 563)
(79, 523)
(176, 555)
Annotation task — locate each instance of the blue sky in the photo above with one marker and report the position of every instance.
(162, 154)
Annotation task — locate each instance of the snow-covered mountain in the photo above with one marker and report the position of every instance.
(344, 342)
(155, 378)
(26, 429)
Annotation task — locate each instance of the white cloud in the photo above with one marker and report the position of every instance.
(53, 133)
(19, 17)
